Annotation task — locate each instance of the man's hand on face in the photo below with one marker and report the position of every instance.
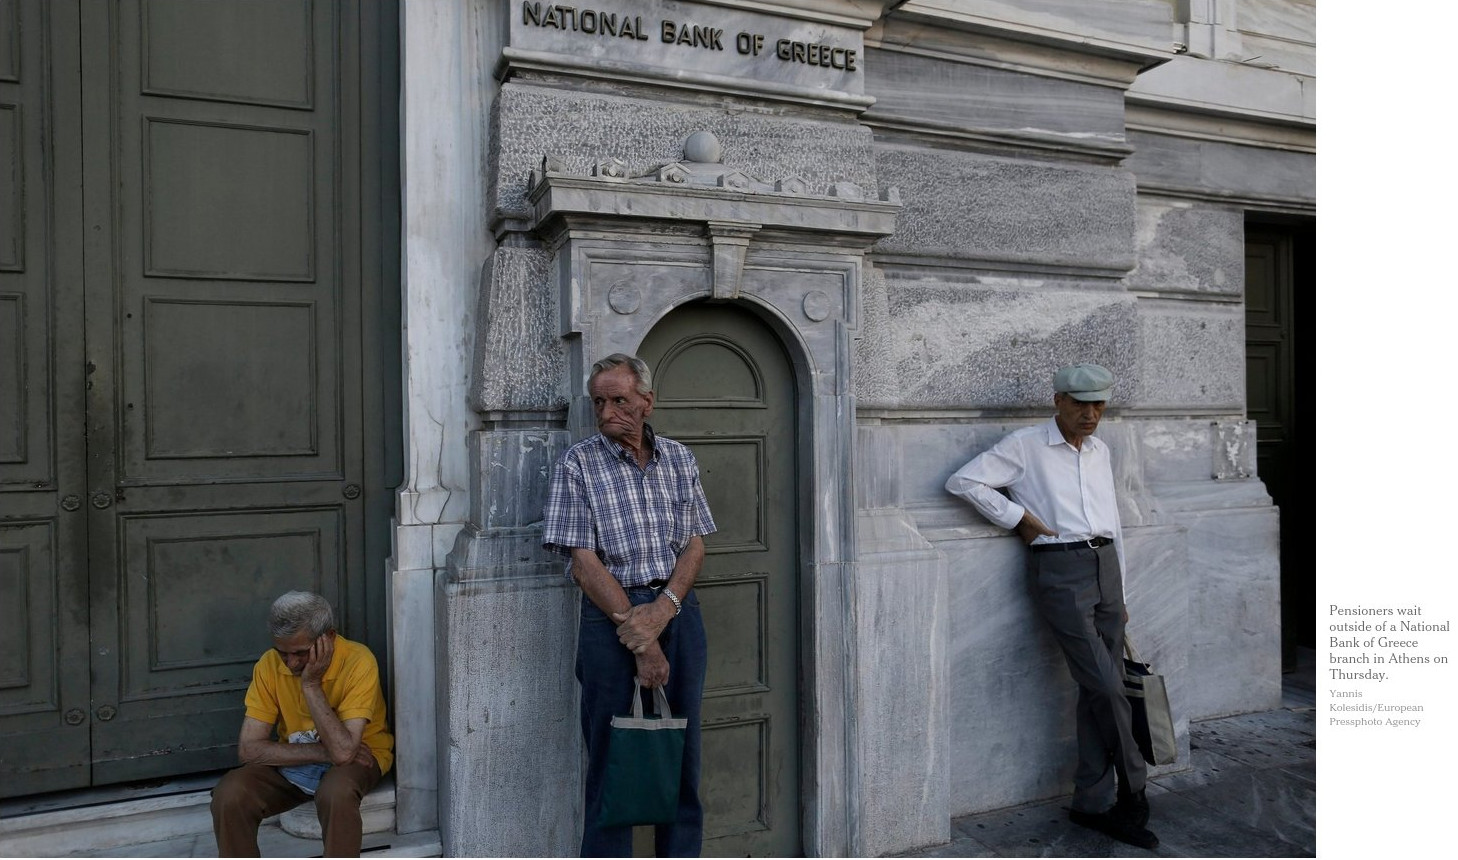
(320, 655)
(652, 666)
(641, 624)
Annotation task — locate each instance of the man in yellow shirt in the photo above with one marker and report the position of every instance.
(321, 693)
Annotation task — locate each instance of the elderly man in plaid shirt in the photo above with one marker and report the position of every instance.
(627, 507)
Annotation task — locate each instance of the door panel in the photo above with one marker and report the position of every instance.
(182, 301)
(725, 388)
(44, 696)
(216, 319)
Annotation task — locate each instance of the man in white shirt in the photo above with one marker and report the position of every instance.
(1060, 501)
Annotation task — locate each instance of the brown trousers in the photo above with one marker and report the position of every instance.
(248, 794)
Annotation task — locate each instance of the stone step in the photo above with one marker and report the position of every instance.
(105, 826)
(180, 825)
(376, 812)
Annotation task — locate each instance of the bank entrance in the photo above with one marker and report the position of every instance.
(190, 270)
(1280, 288)
(725, 388)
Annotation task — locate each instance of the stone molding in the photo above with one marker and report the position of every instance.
(1138, 32)
(809, 54)
(627, 249)
(514, 60)
(710, 194)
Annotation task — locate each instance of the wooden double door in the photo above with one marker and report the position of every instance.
(189, 306)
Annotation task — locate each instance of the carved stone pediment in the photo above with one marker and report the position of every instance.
(701, 189)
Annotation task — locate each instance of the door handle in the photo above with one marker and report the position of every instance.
(101, 501)
(75, 717)
(105, 713)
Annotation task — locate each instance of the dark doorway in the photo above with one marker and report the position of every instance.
(1280, 292)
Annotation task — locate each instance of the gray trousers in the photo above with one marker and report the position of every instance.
(1080, 593)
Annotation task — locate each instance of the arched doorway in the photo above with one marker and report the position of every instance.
(726, 389)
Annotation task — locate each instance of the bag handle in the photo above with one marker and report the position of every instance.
(660, 701)
(1129, 650)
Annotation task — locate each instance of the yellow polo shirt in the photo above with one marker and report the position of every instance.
(351, 687)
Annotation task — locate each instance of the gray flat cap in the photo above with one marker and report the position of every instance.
(1084, 382)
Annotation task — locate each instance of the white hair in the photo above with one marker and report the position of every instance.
(637, 365)
(300, 611)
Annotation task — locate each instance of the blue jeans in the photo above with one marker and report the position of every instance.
(605, 669)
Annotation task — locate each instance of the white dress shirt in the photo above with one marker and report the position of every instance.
(1070, 489)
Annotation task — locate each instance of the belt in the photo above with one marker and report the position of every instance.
(656, 585)
(1091, 543)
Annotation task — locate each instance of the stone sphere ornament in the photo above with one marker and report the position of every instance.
(703, 147)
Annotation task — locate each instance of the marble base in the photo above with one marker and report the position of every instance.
(511, 746)
(901, 704)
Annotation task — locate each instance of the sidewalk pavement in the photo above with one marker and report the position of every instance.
(1250, 792)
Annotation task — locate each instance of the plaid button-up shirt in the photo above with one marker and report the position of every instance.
(637, 519)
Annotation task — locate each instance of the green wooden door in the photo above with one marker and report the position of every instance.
(44, 686)
(205, 452)
(725, 389)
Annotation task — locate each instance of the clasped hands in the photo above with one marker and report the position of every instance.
(638, 631)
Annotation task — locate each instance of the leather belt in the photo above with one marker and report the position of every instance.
(656, 585)
(1091, 543)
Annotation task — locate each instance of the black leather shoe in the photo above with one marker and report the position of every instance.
(1134, 808)
(1115, 826)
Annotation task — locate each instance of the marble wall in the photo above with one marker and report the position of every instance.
(1035, 228)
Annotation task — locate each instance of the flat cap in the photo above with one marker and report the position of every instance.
(1084, 382)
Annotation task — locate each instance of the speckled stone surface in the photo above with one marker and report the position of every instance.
(959, 345)
(583, 128)
(520, 357)
(1190, 354)
(971, 206)
(1189, 247)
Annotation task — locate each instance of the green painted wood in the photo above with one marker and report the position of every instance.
(44, 665)
(210, 399)
(726, 389)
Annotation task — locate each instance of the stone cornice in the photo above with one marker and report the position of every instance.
(1141, 36)
(517, 60)
(847, 13)
(1088, 148)
(1216, 123)
(706, 192)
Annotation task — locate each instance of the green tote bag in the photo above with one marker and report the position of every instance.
(644, 766)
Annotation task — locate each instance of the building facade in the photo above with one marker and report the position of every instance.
(854, 238)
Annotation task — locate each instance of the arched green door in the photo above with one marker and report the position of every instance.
(726, 389)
